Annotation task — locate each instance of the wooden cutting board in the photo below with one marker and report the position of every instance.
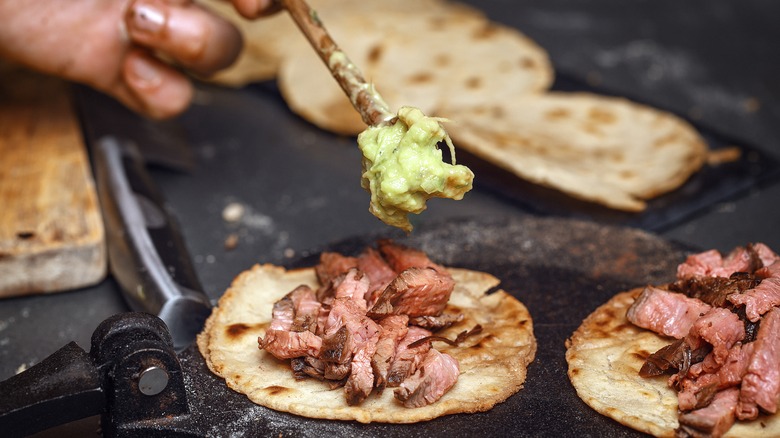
(51, 230)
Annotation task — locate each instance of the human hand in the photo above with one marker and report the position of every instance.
(127, 49)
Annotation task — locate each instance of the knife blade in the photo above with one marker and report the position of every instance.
(147, 255)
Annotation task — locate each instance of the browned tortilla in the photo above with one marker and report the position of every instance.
(605, 355)
(493, 363)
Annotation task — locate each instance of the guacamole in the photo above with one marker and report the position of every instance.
(403, 167)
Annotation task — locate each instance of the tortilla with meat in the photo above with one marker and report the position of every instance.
(605, 354)
(492, 363)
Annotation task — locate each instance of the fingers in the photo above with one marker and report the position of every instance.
(256, 8)
(153, 87)
(184, 32)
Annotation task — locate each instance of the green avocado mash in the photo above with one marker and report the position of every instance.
(403, 167)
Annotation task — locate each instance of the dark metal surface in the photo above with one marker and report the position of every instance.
(711, 60)
(559, 268)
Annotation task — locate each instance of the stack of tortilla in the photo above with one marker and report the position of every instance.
(490, 80)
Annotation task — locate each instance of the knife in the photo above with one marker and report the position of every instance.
(147, 255)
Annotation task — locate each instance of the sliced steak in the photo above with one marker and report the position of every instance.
(675, 357)
(407, 359)
(401, 258)
(284, 344)
(712, 264)
(715, 290)
(293, 323)
(415, 292)
(361, 378)
(763, 297)
(308, 366)
(696, 393)
(720, 328)
(306, 309)
(765, 254)
(332, 265)
(666, 313)
(378, 271)
(713, 420)
(435, 323)
(394, 328)
(761, 384)
(437, 373)
(353, 286)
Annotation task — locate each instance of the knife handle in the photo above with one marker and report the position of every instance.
(146, 252)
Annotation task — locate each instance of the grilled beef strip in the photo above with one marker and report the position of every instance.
(401, 258)
(394, 328)
(437, 373)
(378, 271)
(698, 387)
(407, 358)
(761, 384)
(714, 420)
(762, 297)
(415, 292)
(436, 323)
(294, 319)
(332, 265)
(666, 313)
(714, 290)
(712, 264)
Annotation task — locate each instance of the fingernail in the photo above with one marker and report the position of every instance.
(144, 73)
(147, 18)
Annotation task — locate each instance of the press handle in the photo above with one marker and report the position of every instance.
(64, 387)
(147, 255)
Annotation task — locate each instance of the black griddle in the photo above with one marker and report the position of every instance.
(561, 269)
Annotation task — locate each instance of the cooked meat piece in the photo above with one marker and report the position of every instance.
(394, 328)
(337, 347)
(677, 356)
(764, 253)
(713, 420)
(332, 265)
(284, 344)
(716, 331)
(730, 372)
(714, 290)
(437, 373)
(763, 297)
(353, 286)
(435, 323)
(736, 366)
(305, 367)
(698, 387)
(712, 264)
(761, 384)
(337, 371)
(667, 313)
(293, 322)
(377, 270)
(415, 292)
(349, 312)
(401, 258)
(696, 393)
(361, 379)
(407, 359)
(720, 328)
(306, 309)
(283, 313)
